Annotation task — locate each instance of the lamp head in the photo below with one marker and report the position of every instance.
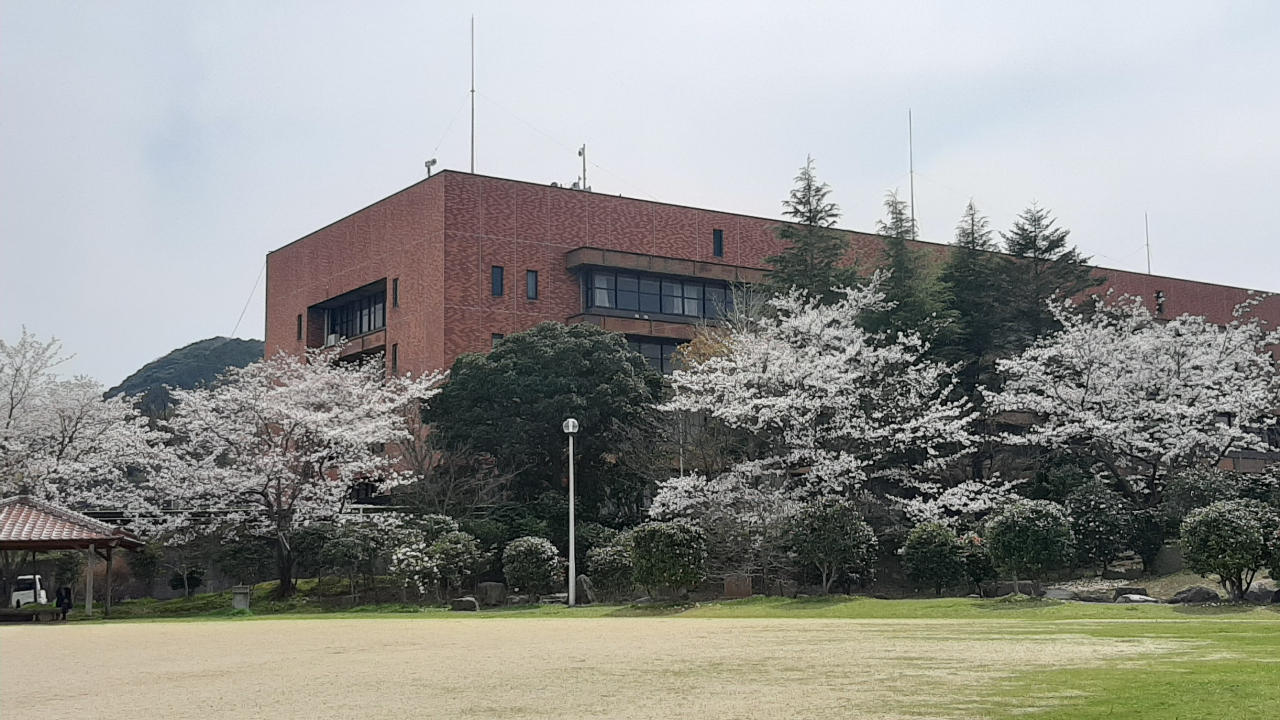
(570, 426)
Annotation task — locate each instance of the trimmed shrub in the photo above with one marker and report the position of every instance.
(609, 567)
(832, 537)
(1030, 537)
(975, 557)
(1101, 522)
(533, 565)
(1232, 539)
(668, 554)
(932, 557)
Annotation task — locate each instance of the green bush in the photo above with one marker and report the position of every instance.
(611, 572)
(831, 537)
(975, 557)
(1030, 537)
(533, 565)
(668, 554)
(932, 557)
(1232, 539)
(458, 558)
(1101, 522)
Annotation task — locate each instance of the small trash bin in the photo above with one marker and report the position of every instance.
(240, 596)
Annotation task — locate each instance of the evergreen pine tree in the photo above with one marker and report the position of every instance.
(973, 273)
(1040, 265)
(811, 260)
(920, 298)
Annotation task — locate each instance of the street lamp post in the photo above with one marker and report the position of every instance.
(570, 428)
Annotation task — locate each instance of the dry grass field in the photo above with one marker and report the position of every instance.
(530, 667)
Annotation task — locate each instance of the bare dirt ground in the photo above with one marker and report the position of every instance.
(528, 668)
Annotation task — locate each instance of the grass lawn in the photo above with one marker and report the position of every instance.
(757, 658)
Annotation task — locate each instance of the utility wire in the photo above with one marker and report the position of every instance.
(250, 298)
(449, 127)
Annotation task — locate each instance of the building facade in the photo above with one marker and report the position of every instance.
(453, 263)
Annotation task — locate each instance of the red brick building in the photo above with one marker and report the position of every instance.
(454, 262)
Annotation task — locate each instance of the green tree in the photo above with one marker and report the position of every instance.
(975, 556)
(247, 560)
(668, 554)
(1030, 537)
(920, 299)
(832, 538)
(1039, 266)
(145, 564)
(510, 404)
(972, 273)
(1102, 521)
(814, 253)
(532, 564)
(932, 557)
(1232, 539)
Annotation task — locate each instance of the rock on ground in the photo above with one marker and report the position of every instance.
(1135, 598)
(464, 604)
(1128, 590)
(1196, 594)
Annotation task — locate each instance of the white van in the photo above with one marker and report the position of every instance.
(28, 589)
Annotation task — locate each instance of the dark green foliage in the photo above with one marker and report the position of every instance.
(611, 571)
(532, 564)
(973, 275)
(511, 402)
(68, 568)
(1101, 521)
(187, 367)
(1030, 537)
(1057, 476)
(1196, 488)
(920, 300)
(145, 564)
(1148, 534)
(187, 581)
(668, 554)
(932, 557)
(975, 556)
(1232, 539)
(1040, 265)
(813, 258)
(248, 560)
(459, 558)
(831, 537)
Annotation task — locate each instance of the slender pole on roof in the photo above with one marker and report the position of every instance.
(473, 94)
(1146, 226)
(911, 171)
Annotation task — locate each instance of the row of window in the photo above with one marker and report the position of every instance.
(497, 282)
(360, 316)
(656, 352)
(654, 294)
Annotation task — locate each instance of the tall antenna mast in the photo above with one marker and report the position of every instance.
(1146, 226)
(582, 153)
(473, 94)
(911, 166)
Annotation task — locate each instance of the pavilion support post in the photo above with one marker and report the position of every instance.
(88, 582)
(106, 599)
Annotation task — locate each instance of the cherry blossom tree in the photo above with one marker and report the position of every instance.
(1144, 397)
(279, 445)
(61, 441)
(830, 404)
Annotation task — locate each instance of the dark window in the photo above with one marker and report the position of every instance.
(717, 243)
(395, 358)
(395, 292)
(299, 327)
(360, 316)
(531, 284)
(1159, 302)
(493, 339)
(495, 280)
(657, 352)
(650, 294)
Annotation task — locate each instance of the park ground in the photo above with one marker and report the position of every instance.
(757, 658)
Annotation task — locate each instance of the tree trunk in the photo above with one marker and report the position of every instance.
(284, 569)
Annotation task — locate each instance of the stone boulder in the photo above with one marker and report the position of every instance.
(1128, 590)
(1061, 594)
(492, 594)
(1136, 598)
(1125, 574)
(554, 599)
(1168, 561)
(585, 592)
(1093, 597)
(1260, 592)
(1195, 594)
(517, 599)
(1025, 587)
(464, 604)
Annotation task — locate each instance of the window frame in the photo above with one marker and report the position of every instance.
(497, 280)
(531, 284)
(717, 243)
(610, 289)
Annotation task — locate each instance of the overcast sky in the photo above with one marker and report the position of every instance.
(152, 153)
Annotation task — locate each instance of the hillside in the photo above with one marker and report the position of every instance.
(197, 363)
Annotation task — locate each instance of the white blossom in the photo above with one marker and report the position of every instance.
(1145, 397)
